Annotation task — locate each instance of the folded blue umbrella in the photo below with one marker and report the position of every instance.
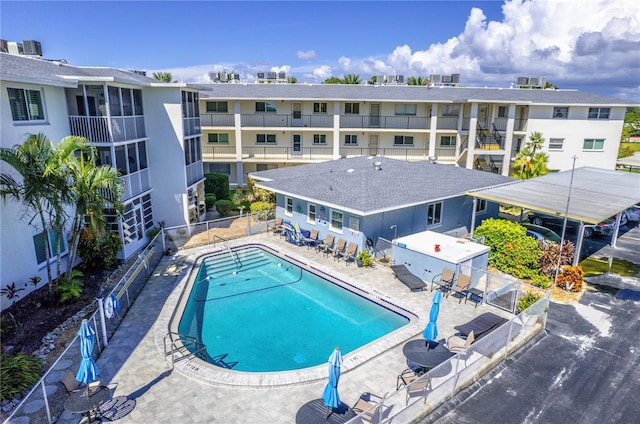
(88, 370)
(330, 396)
(430, 332)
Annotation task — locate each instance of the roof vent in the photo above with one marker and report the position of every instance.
(377, 165)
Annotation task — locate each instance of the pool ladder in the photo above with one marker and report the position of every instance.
(181, 345)
(233, 254)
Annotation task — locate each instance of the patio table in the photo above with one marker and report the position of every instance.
(84, 402)
(416, 352)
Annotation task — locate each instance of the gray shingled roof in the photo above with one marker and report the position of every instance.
(365, 190)
(16, 67)
(402, 93)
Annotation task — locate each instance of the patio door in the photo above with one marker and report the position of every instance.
(374, 115)
(373, 144)
(297, 145)
(296, 115)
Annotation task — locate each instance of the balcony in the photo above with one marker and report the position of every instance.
(96, 128)
(195, 172)
(446, 153)
(135, 183)
(217, 120)
(218, 152)
(391, 122)
(191, 126)
(400, 153)
(275, 120)
(447, 123)
(520, 125)
(287, 153)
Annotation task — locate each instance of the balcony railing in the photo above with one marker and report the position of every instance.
(520, 125)
(212, 152)
(500, 124)
(275, 120)
(195, 172)
(401, 153)
(446, 152)
(96, 128)
(400, 122)
(283, 153)
(135, 183)
(191, 126)
(217, 120)
(448, 122)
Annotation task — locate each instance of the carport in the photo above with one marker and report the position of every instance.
(587, 195)
(629, 162)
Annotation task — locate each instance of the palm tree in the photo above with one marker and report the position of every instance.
(163, 76)
(332, 80)
(292, 80)
(417, 81)
(351, 79)
(94, 188)
(536, 141)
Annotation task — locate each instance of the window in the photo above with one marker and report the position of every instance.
(217, 107)
(319, 108)
(221, 168)
(406, 109)
(481, 205)
(434, 213)
(26, 105)
(354, 223)
(400, 140)
(351, 139)
(192, 150)
(450, 110)
(593, 144)
(265, 138)
(502, 111)
(556, 143)
(561, 112)
(221, 138)
(319, 139)
(352, 108)
(288, 206)
(311, 213)
(599, 112)
(336, 221)
(54, 238)
(448, 140)
(266, 107)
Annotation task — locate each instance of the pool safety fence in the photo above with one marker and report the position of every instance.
(422, 396)
(44, 403)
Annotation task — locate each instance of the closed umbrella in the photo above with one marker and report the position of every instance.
(330, 396)
(88, 370)
(430, 332)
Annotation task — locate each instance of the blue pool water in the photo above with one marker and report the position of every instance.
(256, 312)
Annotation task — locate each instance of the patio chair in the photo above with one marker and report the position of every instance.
(350, 254)
(444, 280)
(338, 250)
(406, 377)
(322, 246)
(418, 388)
(69, 382)
(276, 227)
(407, 278)
(458, 344)
(461, 288)
(312, 240)
(368, 409)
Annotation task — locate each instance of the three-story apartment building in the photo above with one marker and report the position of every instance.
(254, 127)
(148, 130)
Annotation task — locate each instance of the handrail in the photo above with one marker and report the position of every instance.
(233, 254)
(186, 341)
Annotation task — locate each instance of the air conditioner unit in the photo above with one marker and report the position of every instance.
(271, 75)
(379, 79)
(224, 77)
(446, 79)
(400, 79)
(282, 75)
(455, 78)
(236, 77)
(522, 81)
(260, 75)
(435, 78)
(534, 82)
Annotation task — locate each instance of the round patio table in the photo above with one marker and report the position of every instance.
(416, 351)
(83, 401)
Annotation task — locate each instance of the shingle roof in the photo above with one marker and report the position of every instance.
(354, 184)
(402, 93)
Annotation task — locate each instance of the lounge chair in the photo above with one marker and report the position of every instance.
(368, 409)
(458, 344)
(406, 377)
(338, 250)
(322, 246)
(444, 280)
(418, 388)
(312, 240)
(408, 278)
(461, 288)
(481, 325)
(350, 254)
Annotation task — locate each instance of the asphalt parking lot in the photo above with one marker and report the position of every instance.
(586, 369)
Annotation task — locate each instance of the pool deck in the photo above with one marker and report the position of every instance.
(134, 361)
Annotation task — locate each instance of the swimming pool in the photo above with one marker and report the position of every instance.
(258, 312)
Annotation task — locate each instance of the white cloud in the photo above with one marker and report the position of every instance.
(321, 73)
(308, 55)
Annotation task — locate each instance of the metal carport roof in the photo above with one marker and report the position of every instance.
(596, 194)
(630, 161)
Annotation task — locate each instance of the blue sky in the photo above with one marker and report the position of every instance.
(488, 42)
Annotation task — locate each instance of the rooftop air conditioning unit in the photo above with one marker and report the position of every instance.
(282, 75)
(32, 47)
(260, 75)
(543, 82)
(400, 79)
(271, 75)
(455, 78)
(223, 77)
(446, 79)
(236, 77)
(534, 82)
(435, 78)
(522, 81)
(379, 79)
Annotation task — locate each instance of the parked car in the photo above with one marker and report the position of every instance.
(542, 234)
(633, 213)
(604, 228)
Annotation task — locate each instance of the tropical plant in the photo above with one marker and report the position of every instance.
(571, 278)
(11, 292)
(527, 300)
(351, 79)
(292, 80)
(332, 80)
(35, 280)
(262, 209)
(550, 255)
(253, 194)
(163, 76)
(17, 374)
(20, 328)
(71, 286)
(98, 252)
(417, 81)
(365, 258)
(529, 162)
(541, 281)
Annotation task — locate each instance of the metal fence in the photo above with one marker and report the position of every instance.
(416, 400)
(45, 402)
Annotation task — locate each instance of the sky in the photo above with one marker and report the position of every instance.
(589, 45)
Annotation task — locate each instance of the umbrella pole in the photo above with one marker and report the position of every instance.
(329, 412)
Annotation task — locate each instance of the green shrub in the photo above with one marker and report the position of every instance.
(217, 184)
(152, 233)
(210, 200)
(98, 254)
(17, 374)
(541, 281)
(263, 209)
(224, 207)
(70, 289)
(365, 257)
(527, 300)
(549, 257)
(512, 251)
(571, 278)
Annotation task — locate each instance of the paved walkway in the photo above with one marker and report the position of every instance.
(133, 361)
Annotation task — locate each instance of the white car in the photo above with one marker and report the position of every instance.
(633, 213)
